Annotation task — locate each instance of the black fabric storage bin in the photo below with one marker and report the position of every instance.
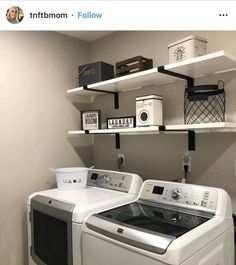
(95, 72)
(204, 104)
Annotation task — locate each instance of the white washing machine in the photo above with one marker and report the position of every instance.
(55, 217)
(233, 200)
(169, 223)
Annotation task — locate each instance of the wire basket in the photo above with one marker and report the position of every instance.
(204, 104)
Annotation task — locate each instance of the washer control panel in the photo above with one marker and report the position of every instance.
(190, 196)
(112, 180)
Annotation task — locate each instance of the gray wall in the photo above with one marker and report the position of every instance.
(36, 69)
(159, 156)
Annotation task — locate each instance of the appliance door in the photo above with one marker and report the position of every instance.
(97, 251)
(51, 231)
(148, 226)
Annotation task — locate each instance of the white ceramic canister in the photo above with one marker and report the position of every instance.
(149, 111)
(187, 48)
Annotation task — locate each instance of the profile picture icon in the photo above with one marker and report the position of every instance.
(14, 14)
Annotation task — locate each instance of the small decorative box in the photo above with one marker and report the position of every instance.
(133, 65)
(95, 72)
(187, 48)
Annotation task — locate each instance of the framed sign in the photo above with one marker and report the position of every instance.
(91, 120)
(121, 122)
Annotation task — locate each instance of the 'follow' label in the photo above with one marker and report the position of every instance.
(89, 15)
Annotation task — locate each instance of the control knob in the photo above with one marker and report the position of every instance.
(176, 194)
(105, 179)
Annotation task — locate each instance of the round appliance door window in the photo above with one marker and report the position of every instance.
(143, 116)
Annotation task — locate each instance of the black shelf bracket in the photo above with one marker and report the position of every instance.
(191, 136)
(190, 83)
(190, 80)
(117, 141)
(116, 94)
(117, 137)
(191, 141)
(162, 128)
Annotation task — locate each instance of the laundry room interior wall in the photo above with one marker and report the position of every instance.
(36, 69)
(159, 156)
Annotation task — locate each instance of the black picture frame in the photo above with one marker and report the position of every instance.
(90, 119)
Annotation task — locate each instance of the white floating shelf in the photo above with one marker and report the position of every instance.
(204, 127)
(198, 128)
(136, 130)
(212, 63)
(79, 132)
(125, 83)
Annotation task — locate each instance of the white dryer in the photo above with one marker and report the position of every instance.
(169, 223)
(55, 217)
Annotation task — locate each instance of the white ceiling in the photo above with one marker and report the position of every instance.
(87, 35)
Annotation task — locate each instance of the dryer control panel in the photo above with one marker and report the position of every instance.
(186, 195)
(112, 180)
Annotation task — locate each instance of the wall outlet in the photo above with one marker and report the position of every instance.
(120, 161)
(186, 160)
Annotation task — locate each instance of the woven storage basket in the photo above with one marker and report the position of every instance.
(204, 104)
